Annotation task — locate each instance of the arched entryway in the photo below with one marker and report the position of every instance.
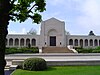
(76, 42)
(22, 42)
(71, 42)
(95, 42)
(52, 39)
(91, 42)
(81, 42)
(10, 42)
(16, 42)
(86, 42)
(27, 41)
(33, 42)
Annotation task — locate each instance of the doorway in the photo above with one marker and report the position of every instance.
(52, 40)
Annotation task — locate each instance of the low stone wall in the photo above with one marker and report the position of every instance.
(17, 62)
(72, 63)
(64, 63)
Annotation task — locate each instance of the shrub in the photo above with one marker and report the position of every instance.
(10, 50)
(97, 48)
(19, 67)
(34, 64)
(22, 50)
(96, 51)
(85, 50)
(78, 47)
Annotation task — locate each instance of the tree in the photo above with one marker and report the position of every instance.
(32, 32)
(91, 33)
(16, 10)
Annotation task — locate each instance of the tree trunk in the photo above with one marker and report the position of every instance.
(4, 21)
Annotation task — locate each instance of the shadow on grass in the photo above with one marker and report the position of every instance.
(50, 69)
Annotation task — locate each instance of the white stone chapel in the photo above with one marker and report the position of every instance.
(52, 34)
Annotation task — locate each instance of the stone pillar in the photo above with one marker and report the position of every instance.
(78, 42)
(19, 43)
(73, 42)
(83, 43)
(93, 43)
(13, 43)
(98, 42)
(24, 42)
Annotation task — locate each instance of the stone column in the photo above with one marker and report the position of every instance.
(19, 42)
(24, 42)
(13, 43)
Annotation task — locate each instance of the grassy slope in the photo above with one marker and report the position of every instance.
(68, 70)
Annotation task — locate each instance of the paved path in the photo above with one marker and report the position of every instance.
(7, 72)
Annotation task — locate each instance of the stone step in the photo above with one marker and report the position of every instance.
(11, 67)
(56, 50)
(7, 68)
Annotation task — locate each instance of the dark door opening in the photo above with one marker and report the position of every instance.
(52, 40)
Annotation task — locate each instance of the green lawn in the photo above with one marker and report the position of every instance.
(67, 70)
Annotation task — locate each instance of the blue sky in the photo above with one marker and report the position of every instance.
(80, 17)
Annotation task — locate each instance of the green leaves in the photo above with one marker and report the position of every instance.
(37, 18)
(40, 5)
(26, 1)
(24, 9)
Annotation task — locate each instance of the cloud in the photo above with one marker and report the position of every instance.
(91, 8)
(79, 15)
(90, 15)
(23, 31)
(56, 2)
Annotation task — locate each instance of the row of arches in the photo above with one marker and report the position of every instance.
(20, 42)
(85, 42)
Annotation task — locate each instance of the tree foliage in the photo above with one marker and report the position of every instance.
(91, 33)
(17, 10)
(24, 9)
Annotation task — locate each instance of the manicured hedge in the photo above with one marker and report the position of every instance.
(34, 64)
(85, 50)
(22, 50)
(89, 50)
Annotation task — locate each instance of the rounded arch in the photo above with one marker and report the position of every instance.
(70, 41)
(76, 42)
(16, 42)
(99, 42)
(33, 42)
(52, 32)
(86, 42)
(95, 42)
(81, 42)
(91, 42)
(27, 41)
(10, 42)
(21, 42)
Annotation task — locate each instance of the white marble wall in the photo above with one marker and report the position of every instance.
(54, 27)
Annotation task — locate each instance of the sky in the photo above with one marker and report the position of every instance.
(80, 17)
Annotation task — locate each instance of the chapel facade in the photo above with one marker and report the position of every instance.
(52, 34)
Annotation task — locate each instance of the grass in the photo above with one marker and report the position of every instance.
(65, 70)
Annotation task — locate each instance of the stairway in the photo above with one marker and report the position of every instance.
(7, 67)
(56, 50)
(10, 67)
